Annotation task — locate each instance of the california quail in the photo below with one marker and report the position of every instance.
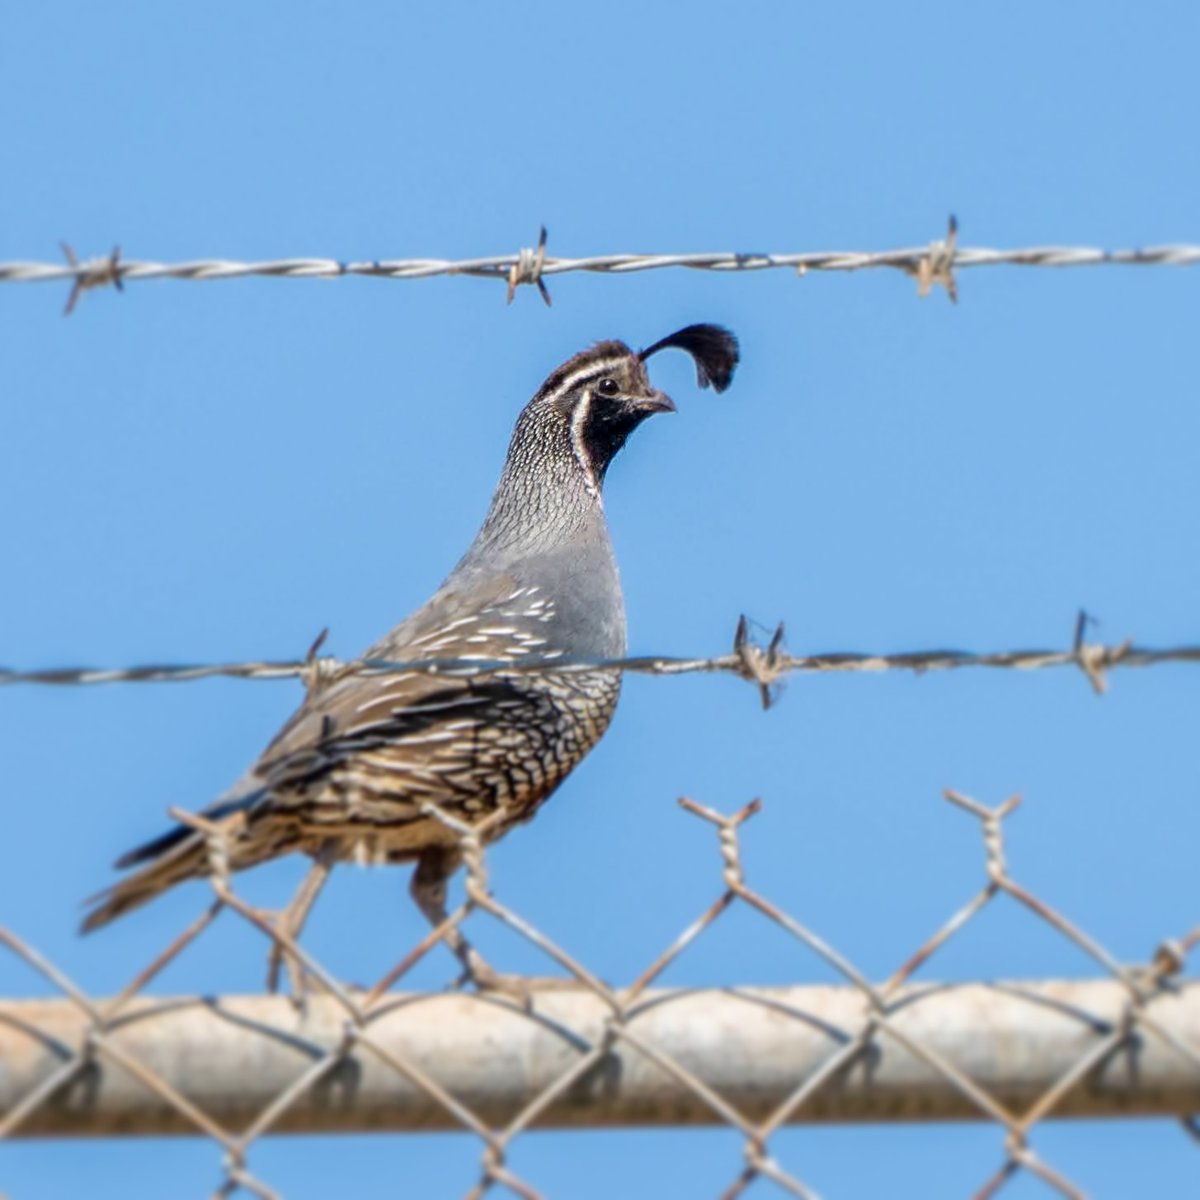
(346, 776)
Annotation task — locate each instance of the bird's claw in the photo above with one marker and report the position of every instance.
(522, 988)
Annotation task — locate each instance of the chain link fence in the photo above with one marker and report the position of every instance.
(575, 1051)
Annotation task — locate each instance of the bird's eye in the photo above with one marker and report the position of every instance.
(608, 387)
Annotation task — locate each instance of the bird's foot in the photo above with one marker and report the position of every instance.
(522, 988)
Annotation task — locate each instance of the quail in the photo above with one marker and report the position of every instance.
(353, 773)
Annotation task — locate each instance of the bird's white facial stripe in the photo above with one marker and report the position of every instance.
(594, 370)
(600, 368)
(578, 421)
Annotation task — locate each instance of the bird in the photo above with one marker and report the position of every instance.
(352, 775)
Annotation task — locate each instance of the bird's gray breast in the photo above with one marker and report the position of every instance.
(562, 601)
(581, 608)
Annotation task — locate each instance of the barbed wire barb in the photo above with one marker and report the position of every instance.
(528, 267)
(936, 266)
(95, 272)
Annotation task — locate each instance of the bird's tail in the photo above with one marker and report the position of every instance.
(180, 853)
(188, 859)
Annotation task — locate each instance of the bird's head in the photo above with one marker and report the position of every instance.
(601, 395)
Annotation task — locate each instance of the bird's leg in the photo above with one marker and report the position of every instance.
(290, 922)
(428, 888)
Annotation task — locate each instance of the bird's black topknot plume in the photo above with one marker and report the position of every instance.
(714, 350)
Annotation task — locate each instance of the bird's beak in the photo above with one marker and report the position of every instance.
(656, 402)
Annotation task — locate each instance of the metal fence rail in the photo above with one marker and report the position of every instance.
(931, 264)
(236, 1069)
(750, 1045)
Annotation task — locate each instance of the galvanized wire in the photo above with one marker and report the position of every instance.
(762, 665)
(932, 263)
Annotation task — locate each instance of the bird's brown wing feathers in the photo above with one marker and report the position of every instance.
(369, 748)
(357, 702)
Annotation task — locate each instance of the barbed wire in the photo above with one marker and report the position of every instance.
(1013, 1053)
(763, 665)
(931, 265)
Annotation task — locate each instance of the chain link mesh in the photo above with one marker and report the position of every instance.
(886, 1026)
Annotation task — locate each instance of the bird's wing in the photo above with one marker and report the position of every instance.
(364, 710)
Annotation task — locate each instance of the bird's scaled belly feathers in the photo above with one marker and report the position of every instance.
(371, 800)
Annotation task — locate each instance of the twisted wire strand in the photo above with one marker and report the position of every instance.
(530, 266)
(747, 661)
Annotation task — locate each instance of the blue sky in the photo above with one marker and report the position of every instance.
(210, 472)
